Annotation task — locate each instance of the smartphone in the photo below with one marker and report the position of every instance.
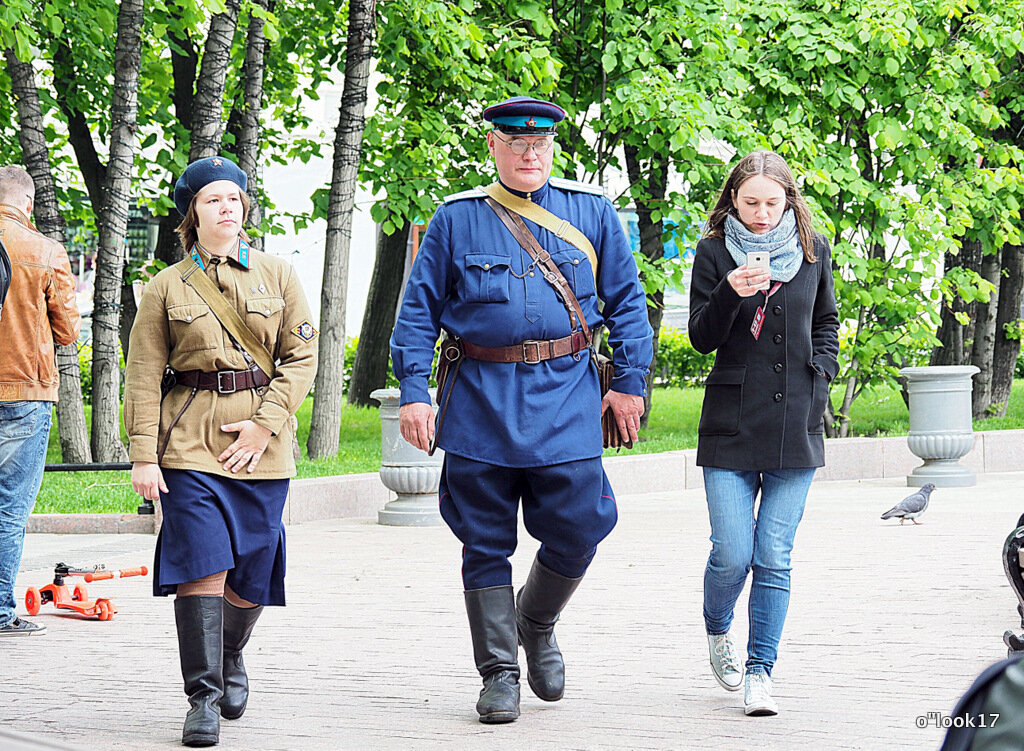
(759, 259)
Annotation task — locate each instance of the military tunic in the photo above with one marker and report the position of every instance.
(174, 325)
(472, 279)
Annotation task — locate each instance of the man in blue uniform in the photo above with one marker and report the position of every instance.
(523, 419)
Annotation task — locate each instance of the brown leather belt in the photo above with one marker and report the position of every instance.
(532, 351)
(223, 381)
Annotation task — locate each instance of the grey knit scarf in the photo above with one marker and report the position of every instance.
(782, 242)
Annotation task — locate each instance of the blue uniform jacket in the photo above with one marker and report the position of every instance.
(465, 280)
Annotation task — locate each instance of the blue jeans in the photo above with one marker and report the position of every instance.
(24, 433)
(741, 541)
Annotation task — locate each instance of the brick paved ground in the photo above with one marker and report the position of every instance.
(886, 623)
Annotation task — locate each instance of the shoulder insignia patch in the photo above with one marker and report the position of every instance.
(471, 193)
(305, 331)
(576, 186)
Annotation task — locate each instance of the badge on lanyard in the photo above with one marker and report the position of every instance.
(755, 326)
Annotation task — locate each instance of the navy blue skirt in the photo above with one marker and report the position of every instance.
(213, 524)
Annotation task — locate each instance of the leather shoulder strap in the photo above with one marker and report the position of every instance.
(537, 214)
(552, 274)
(226, 314)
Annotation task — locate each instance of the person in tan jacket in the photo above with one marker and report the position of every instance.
(39, 312)
(210, 436)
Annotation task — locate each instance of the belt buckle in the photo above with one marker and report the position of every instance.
(536, 346)
(221, 388)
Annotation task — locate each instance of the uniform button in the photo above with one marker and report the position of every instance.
(531, 273)
(778, 367)
(777, 310)
(487, 265)
(267, 312)
(777, 338)
(576, 262)
(778, 396)
(188, 318)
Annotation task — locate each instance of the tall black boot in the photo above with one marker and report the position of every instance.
(238, 623)
(538, 605)
(492, 622)
(200, 648)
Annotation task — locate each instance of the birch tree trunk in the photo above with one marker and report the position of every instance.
(369, 371)
(348, 138)
(71, 426)
(983, 348)
(248, 144)
(208, 106)
(113, 226)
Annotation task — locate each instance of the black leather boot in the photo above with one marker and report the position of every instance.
(538, 605)
(492, 622)
(200, 648)
(238, 623)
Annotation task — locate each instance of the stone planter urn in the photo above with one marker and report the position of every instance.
(940, 423)
(410, 473)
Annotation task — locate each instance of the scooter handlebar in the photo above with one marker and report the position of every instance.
(100, 575)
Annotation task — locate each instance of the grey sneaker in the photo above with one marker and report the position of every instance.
(757, 696)
(724, 663)
(19, 627)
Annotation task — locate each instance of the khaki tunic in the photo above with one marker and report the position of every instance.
(174, 325)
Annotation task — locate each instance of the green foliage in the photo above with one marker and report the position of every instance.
(678, 363)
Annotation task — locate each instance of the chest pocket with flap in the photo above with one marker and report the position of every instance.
(486, 277)
(193, 327)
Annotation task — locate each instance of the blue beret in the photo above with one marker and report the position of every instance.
(201, 173)
(525, 116)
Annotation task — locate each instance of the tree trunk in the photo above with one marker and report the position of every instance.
(248, 143)
(1004, 359)
(651, 247)
(113, 226)
(71, 426)
(983, 349)
(369, 371)
(955, 336)
(208, 106)
(348, 138)
(94, 173)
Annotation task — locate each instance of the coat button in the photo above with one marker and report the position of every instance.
(777, 310)
(188, 318)
(487, 265)
(778, 367)
(777, 338)
(778, 396)
(576, 262)
(267, 312)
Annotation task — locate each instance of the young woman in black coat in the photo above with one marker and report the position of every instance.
(775, 334)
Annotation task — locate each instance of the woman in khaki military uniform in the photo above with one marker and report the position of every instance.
(216, 449)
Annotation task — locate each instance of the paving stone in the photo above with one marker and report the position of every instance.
(886, 624)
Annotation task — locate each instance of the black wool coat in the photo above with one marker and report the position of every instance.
(764, 399)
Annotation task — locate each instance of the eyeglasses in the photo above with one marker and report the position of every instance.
(519, 146)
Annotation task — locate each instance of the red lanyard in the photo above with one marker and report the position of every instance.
(755, 327)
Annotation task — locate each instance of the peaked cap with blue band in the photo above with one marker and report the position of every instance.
(201, 173)
(525, 116)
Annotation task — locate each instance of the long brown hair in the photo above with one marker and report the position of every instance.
(773, 166)
(187, 230)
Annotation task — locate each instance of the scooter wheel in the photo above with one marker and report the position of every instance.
(80, 593)
(106, 612)
(32, 601)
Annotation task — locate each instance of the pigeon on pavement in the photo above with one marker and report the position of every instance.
(912, 506)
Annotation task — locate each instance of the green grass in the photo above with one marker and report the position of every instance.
(673, 426)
